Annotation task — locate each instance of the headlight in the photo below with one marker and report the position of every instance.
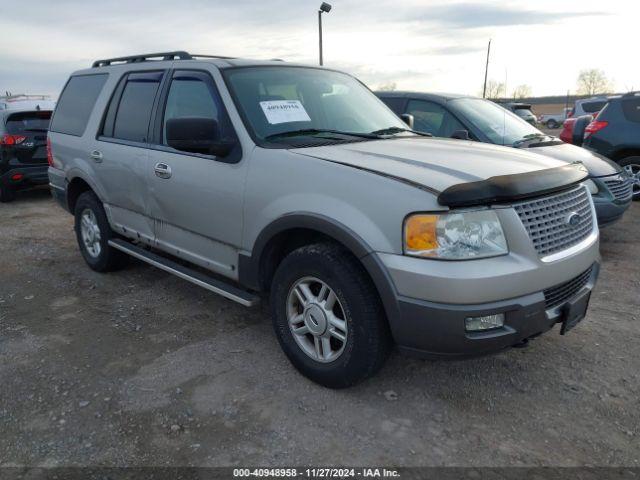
(591, 186)
(455, 236)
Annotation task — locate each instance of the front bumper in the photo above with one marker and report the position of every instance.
(28, 177)
(430, 329)
(608, 208)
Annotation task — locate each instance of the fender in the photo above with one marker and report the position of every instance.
(249, 266)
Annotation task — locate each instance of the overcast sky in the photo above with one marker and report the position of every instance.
(417, 44)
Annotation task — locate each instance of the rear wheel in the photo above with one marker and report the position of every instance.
(328, 316)
(7, 194)
(632, 166)
(93, 233)
(551, 124)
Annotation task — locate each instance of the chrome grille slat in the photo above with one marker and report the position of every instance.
(620, 187)
(559, 294)
(545, 220)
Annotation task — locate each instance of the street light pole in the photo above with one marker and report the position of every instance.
(486, 71)
(324, 8)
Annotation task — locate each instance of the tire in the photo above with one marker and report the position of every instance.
(100, 256)
(632, 167)
(7, 194)
(366, 333)
(551, 124)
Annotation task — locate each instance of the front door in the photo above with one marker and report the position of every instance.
(196, 199)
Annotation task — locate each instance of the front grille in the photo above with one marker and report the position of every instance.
(620, 187)
(559, 294)
(547, 220)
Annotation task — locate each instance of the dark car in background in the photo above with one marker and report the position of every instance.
(615, 133)
(23, 150)
(464, 117)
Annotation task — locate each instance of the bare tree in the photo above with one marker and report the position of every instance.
(592, 82)
(522, 91)
(495, 90)
(387, 87)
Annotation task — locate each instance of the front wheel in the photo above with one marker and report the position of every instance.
(328, 316)
(551, 124)
(631, 165)
(93, 233)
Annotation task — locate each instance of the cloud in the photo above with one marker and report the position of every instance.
(477, 15)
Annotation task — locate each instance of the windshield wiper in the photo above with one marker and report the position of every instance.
(529, 137)
(318, 131)
(394, 130)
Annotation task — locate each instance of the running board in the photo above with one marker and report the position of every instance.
(212, 284)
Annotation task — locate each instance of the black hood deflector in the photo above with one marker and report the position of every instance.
(507, 188)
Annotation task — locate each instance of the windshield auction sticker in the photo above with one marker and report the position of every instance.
(284, 111)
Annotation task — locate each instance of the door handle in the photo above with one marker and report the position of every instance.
(96, 156)
(162, 170)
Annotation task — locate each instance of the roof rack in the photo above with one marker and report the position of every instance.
(145, 57)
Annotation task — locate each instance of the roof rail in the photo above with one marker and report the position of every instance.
(177, 55)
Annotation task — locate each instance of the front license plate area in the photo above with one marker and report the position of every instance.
(574, 311)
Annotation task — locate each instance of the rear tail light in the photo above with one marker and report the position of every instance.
(49, 153)
(16, 177)
(12, 139)
(594, 126)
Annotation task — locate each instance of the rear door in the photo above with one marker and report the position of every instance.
(29, 131)
(121, 152)
(196, 199)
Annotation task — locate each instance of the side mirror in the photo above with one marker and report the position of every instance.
(408, 119)
(197, 135)
(461, 135)
(577, 136)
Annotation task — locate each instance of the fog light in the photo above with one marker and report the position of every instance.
(488, 322)
(16, 177)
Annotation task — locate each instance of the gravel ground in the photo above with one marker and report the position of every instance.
(140, 368)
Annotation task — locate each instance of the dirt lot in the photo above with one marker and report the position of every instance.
(141, 368)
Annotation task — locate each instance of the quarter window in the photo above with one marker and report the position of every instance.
(76, 104)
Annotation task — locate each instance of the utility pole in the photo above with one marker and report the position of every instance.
(486, 71)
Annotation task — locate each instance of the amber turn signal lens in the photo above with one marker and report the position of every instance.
(420, 233)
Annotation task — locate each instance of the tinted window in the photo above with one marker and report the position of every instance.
(135, 105)
(631, 109)
(76, 103)
(26, 122)
(432, 118)
(592, 107)
(394, 103)
(189, 97)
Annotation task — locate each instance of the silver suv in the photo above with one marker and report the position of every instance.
(268, 180)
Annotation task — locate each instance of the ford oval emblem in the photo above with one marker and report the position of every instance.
(573, 219)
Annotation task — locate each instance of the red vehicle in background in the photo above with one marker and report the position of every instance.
(571, 134)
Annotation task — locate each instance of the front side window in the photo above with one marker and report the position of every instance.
(275, 100)
(189, 96)
(500, 126)
(432, 118)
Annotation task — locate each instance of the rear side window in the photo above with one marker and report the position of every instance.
(592, 107)
(394, 103)
(432, 118)
(129, 111)
(76, 104)
(28, 122)
(631, 109)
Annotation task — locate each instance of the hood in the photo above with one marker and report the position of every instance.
(597, 165)
(433, 163)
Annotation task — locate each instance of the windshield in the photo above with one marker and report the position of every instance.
(498, 124)
(276, 100)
